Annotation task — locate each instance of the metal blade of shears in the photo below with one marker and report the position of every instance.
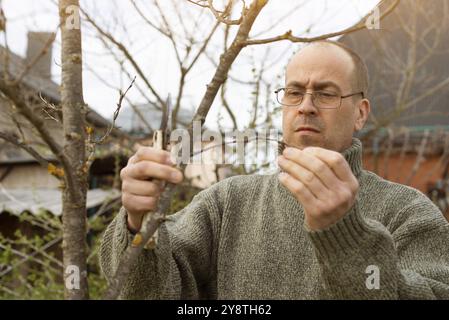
(165, 126)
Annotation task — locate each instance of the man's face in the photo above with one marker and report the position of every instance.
(322, 67)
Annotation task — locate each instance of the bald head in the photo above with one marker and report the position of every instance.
(327, 67)
(355, 71)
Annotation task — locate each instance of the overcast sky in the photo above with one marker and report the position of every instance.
(154, 54)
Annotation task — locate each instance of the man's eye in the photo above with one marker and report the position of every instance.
(326, 94)
(295, 93)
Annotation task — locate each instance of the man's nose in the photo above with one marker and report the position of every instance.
(307, 106)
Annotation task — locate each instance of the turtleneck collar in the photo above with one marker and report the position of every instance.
(353, 156)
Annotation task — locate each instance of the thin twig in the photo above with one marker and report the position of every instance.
(12, 138)
(222, 17)
(32, 63)
(419, 158)
(125, 52)
(45, 247)
(116, 113)
(129, 257)
(15, 94)
(289, 36)
(52, 107)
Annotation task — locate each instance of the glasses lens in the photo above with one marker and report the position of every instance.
(326, 100)
(321, 99)
(290, 97)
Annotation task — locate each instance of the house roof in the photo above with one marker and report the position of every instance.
(50, 91)
(17, 201)
(408, 139)
(388, 52)
(47, 87)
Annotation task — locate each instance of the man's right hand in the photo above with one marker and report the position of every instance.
(143, 180)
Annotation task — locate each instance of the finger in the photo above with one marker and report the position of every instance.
(146, 169)
(132, 159)
(334, 160)
(139, 204)
(307, 177)
(137, 146)
(297, 188)
(315, 165)
(141, 187)
(153, 154)
(161, 184)
(338, 164)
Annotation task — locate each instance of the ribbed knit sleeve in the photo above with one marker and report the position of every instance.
(411, 261)
(182, 266)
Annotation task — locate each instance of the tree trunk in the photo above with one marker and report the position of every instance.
(73, 111)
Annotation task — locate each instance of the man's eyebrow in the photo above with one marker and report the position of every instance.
(326, 84)
(317, 86)
(295, 84)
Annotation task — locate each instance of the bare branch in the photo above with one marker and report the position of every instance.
(131, 254)
(222, 16)
(116, 112)
(225, 103)
(127, 54)
(419, 158)
(198, 3)
(45, 247)
(203, 48)
(16, 96)
(74, 126)
(289, 36)
(148, 21)
(12, 138)
(169, 32)
(139, 114)
(32, 63)
(51, 107)
(226, 60)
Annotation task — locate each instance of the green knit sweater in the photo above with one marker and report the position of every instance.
(244, 238)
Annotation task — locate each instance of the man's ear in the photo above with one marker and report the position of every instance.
(363, 109)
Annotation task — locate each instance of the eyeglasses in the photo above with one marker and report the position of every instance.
(291, 97)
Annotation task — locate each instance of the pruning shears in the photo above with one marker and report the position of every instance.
(161, 139)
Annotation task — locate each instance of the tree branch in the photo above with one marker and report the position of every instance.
(129, 257)
(127, 54)
(116, 112)
(32, 63)
(221, 17)
(289, 36)
(12, 138)
(16, 96)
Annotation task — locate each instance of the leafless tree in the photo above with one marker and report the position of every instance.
(400, 57)
(408, 83)
(74, 128)
(227, 58)
(72, 159)
(71, 165)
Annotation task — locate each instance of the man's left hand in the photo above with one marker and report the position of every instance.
(322, 181)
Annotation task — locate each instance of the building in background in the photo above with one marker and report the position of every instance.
(142, 119)
(25, 185)
(407, 137)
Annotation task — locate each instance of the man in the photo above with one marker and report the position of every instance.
(321, 228)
